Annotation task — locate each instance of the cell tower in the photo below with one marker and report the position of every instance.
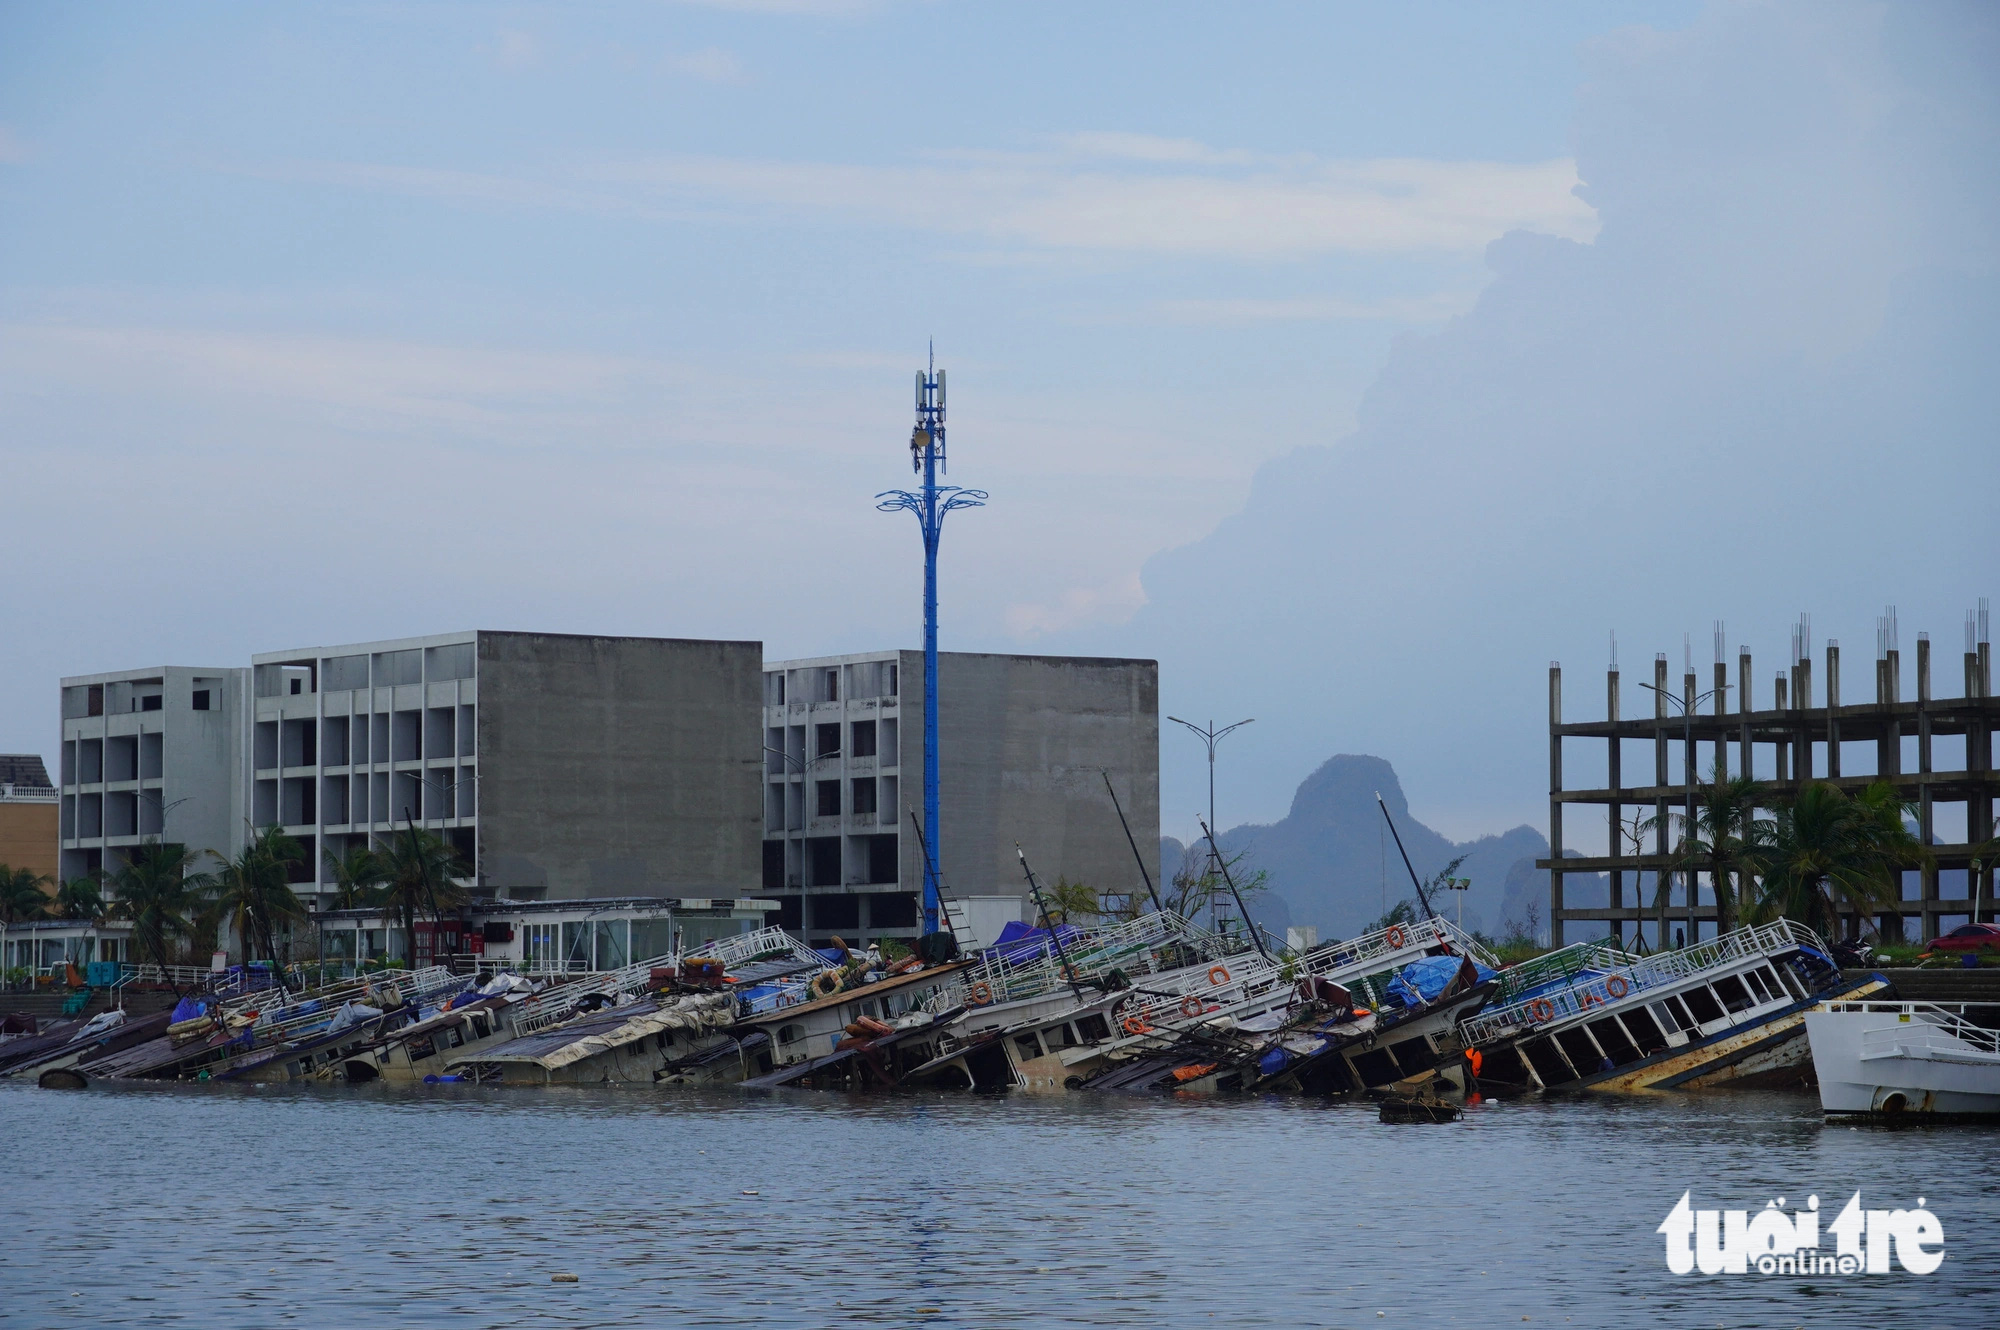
(930, 504)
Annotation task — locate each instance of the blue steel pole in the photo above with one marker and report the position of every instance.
(930, 506)
(930, 689)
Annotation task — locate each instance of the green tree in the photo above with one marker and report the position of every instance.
(1827, 852)
(1727, 841)
(23, 895)
(417, 876)
(160, 896)
(80, 898)
(1071, 902)
(251, 893)
(357, 877)
(1196, 888)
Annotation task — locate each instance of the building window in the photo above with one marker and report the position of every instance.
(824, 861)
(829, 798)
(201, 699)
(864, 738)
(832, 686)
(151, 703)
(826, 740)
(864, 797)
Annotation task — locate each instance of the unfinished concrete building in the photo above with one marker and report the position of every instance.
(1935, 750)
(1023, 742)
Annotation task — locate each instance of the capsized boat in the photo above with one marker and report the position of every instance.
(1904, 1062)
(1228, 1004)
(1727, 1011)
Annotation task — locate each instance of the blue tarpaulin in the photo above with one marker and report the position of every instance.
(188, 1008)
(1423, 980)
(1017, 940)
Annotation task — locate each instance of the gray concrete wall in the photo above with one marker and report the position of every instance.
(1023, 742)
(620, 766)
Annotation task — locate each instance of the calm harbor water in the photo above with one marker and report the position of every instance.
(452, 1205)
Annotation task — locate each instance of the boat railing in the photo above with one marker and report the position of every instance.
(1138, 946)
(557, 1003)
(384, 989)
(1921, 1026)
(735, 950)
(1580, 992)
(1181, 997)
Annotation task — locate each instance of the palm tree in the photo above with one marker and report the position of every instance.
(1827, 853)
(21, 899)
(1069, 901)
(23, 895)
(357, 875)
(1726, 843)
(158, 894)
(251, 893)
(417, 868)
(80, 898)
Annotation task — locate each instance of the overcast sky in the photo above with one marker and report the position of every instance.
(1352, 360)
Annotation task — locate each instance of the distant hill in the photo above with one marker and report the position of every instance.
(1331, 861)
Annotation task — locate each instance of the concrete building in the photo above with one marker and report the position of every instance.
(560, 767)
(29, 822)
(1024, 744)
(150, 754)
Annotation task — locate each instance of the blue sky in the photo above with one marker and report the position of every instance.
(345, 321)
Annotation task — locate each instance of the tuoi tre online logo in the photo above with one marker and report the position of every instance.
(1775, 1243)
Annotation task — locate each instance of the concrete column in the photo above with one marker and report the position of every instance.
(1928, 873)
(1832, 708)
(1781, 701)
(1616, 780)
(1555, 804)
(1745, 752)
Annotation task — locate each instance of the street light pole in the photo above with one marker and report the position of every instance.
(1211, 736)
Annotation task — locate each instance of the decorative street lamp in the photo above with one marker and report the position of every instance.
(930, 504)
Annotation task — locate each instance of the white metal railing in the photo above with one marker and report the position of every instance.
(1926, 1027)
(29, 794)
(1566, 996)
(556, 1004)
(741, 947)
(1139, 945)
(1249, 980)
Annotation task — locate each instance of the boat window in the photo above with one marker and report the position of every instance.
(1617, 1045)
(421, 1048)
(1702, 1003)
(1679, 1008)
(480, 1029)
(791, 1034)
(1732, 992)
(1029, 1046)
(1062, 1036)
(1094, 1029)
(1664, 1015)
(454, 1036)
(1582, 1050)
(1644, 1030)
(1546, 1057)
(1757, 985)
(1783, 982)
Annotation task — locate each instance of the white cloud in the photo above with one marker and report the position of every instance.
(710, 64)
(1200, 208)
(516, 50)
(1271, 213)
(1314, 309)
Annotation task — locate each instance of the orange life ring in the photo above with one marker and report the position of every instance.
(1215, 970)
(1136, 1023)
(1396, 937)
(1192, 1006)
(982, 993)
(1616, 986)
(1541, 1009)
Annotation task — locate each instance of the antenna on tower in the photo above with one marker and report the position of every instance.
(1718, 641)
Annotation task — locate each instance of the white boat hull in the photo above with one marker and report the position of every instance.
(1895, 1059)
